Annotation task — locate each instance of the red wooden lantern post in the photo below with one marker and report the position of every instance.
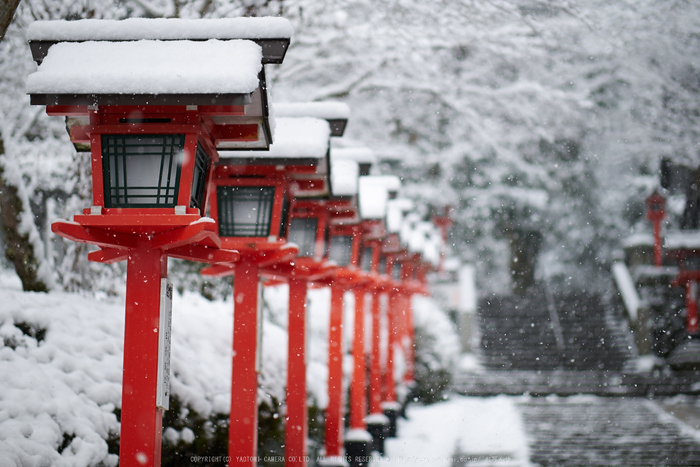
(250, 213)
(443, 222)
(252, 207)
(373, 198)
(656, 211)
(153, 142)
(307, 229)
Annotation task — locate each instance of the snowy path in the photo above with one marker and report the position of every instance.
(462, 430)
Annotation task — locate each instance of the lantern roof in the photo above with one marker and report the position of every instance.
(365, 157)
(98, 70)
(373, 196)
(336, 113)
(396, 210)
(297, 141)
(344, 177)
(272, 33)
(682, 240)
(391, 182)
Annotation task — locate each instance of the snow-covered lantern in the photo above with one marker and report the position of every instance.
(153, 101)
(656, 211)
(344, 233)
(255, 195)
(253, 189)
(143, 97)
(656, 206)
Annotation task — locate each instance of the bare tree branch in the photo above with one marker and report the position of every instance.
(7, 11)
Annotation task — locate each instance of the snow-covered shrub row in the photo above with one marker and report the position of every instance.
(60, 378)
(61, 370)
(437, 350)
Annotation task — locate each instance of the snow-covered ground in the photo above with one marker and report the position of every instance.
(460, 430)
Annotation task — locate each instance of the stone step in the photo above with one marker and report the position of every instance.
(566, 383)
(603, 432)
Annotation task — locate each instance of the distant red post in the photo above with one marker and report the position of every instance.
(691, 301)
(358, 398)
(656, 211)
(334, 415)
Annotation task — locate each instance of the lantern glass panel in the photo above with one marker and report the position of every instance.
(141, 170)
(245, 211)
(366, 263)
(302, 231)
(340, 249)
(382, 265)
(396, 271)
(283, 218)
(199, 178)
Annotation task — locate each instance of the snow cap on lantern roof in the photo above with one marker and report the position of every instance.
(160, 28)
(365, 157)
(148, 67)
(336, 113)
(271, 33)
(433, 245)
(295, 138)
(638, 239)
(407, 226)
(360, 155)
(682, 240)
(391, 182)
(395, 211)
(344, 176)
(324, 110)
(425, 239)
(373, 198)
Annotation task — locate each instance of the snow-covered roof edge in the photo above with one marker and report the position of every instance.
(161, 29)
(294, 138)
(326, 110)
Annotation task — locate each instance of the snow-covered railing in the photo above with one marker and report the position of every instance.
(627, 289)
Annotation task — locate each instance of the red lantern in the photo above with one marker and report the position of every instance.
(153, 114)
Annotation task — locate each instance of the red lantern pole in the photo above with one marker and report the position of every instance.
(375, 371)
(691, 303)
(297, 423)
(392, 318)
(243, 421)
(335, 374)
(656, 211)
(141, 444)
(358, 389)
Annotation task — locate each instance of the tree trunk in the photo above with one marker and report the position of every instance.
(7, 11)
(18, 247)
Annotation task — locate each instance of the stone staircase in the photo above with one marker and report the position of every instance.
(604, 432)
(574, 331)
(563, 344)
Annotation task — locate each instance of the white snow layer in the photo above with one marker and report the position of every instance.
(161, 29)
(360, 155)
(324, 110)
(344, 175)
(373, 198)
(682, 240)
(294, 138)
(459, 431)
(627, 289)
(149, 67)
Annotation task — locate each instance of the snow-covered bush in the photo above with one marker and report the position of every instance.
(437, 350)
